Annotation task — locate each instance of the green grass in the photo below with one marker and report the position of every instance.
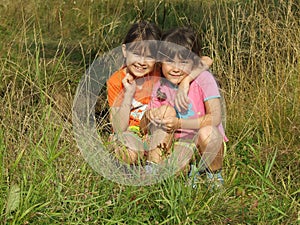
(44, 50)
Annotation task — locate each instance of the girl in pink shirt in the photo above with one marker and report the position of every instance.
(201, 122)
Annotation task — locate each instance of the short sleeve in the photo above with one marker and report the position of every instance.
(115, 88)
(208, 85)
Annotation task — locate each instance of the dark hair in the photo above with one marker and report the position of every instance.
(181, 41)
(142, 31)
(143, 35)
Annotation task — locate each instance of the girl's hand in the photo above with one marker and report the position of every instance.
(207, 61)
(181, 98)
(168, 124)
(153, 115)
(129, 84)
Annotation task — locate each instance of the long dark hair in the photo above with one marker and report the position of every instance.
(182, 42)
(142, 31)
(141, 35)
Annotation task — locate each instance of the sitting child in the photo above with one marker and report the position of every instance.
(201, 123)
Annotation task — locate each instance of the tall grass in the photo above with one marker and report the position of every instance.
(44, 50)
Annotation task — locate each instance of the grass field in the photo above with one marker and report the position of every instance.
(44, 50)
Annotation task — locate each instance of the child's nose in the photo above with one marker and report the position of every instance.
(142, 59)
(177, 66)
(176, 69)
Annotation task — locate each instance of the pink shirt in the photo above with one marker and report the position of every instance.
(202, 89)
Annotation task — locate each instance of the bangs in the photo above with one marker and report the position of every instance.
(143, 46)
(168, 50)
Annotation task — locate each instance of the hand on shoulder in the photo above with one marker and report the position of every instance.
(206, 60)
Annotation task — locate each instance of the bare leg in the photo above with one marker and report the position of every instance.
(126, 155)
(161, 140)
(181, 156)
(130, 148)
(210, 143)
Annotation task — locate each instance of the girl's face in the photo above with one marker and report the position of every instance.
(175, 70)
(139, 62)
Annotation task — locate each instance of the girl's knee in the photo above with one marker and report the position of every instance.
(167, 111)
(155, 155)
(127, 155)
(209, 133)
(205, 132)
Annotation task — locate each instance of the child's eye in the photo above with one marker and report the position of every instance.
(149, 57)
(186, 63)
(168, 61)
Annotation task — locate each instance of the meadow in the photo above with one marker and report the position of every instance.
(45, 48)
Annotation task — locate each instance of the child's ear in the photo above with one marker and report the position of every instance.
(124, 51)
(206, 60)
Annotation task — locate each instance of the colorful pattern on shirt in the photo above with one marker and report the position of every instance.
(142, 96)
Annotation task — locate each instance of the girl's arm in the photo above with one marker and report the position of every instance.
(213, 116)
(181, 99)
(119, 116)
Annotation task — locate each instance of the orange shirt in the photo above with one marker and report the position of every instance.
(142, 96)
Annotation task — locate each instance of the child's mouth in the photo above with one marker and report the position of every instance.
(176, 75)
(139, 68)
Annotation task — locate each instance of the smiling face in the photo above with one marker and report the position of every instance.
(139, 60)
(175, 70)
